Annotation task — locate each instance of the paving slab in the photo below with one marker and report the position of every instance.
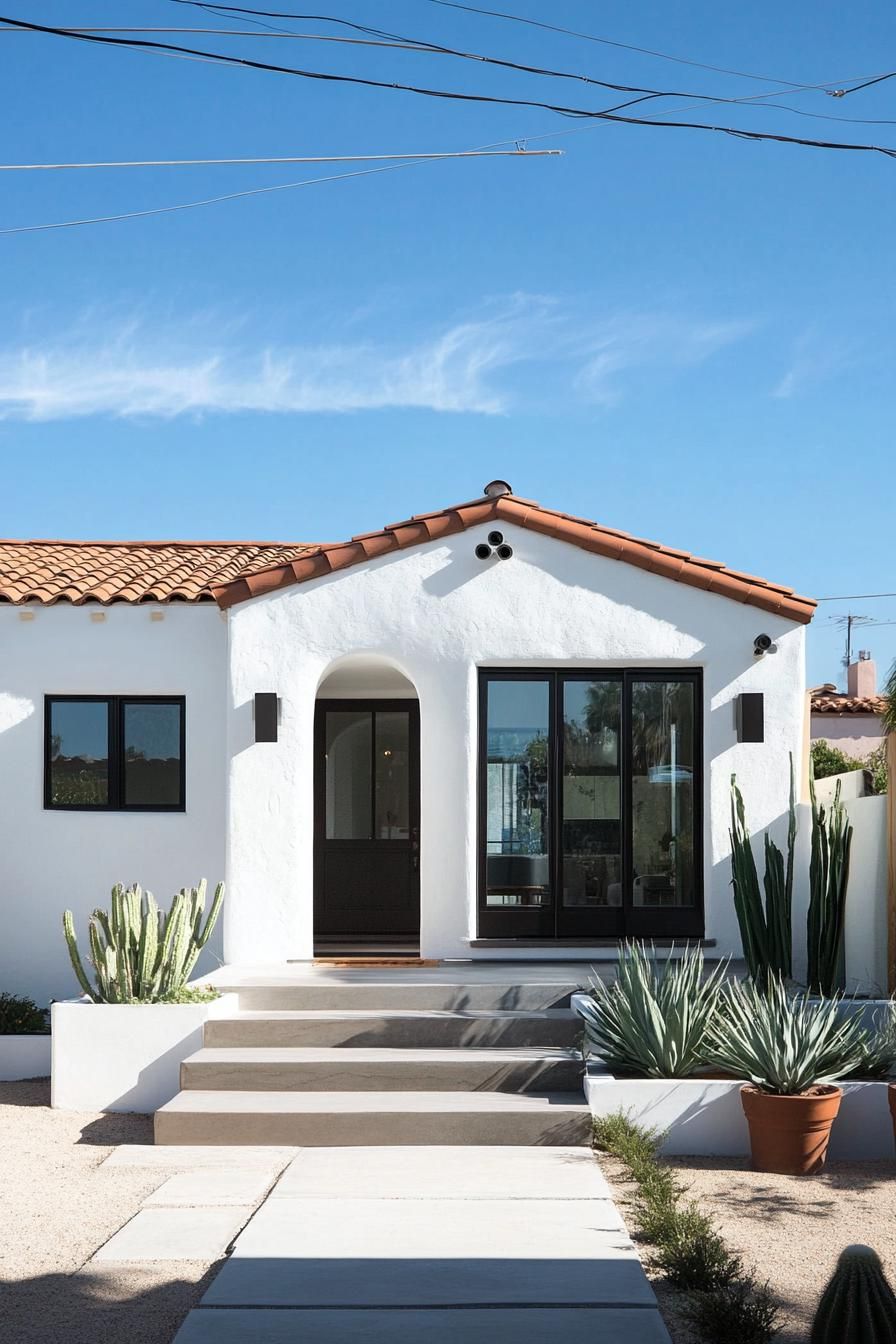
(532, 1325)
(175, 1234)
(196, 1156)
(365, 1253)
(213, 1186)
(443, 1172)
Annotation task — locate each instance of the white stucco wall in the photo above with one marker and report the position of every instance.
(51, 860)
(437, 613)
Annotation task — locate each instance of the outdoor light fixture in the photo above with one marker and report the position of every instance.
(266, 716)
(496, 545)
(749, 716)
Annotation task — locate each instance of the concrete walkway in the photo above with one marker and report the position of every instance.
(455, 1245)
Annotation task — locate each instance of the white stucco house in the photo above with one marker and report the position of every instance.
(492, 731)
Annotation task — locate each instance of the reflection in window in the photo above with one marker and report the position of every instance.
(152, 757)
(663, 793)
(392, 775)
(517, 778)
(591, 831)
(79, 753)
(349, 744)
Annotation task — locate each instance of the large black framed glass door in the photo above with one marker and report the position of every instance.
(367, 818)
(590, 804)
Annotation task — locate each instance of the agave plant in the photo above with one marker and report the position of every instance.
(140, 953)
(654, 1019)
(879, 1047)
(783, 1043)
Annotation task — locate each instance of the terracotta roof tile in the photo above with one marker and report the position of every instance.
(130, 571)
(667, 561)
(828, 700)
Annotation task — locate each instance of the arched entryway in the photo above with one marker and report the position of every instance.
(367, 809)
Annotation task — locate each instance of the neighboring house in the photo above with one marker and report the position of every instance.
(852, 722)
(498, 729)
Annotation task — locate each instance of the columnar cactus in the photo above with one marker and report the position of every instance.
(858, 1305)
(139, 953)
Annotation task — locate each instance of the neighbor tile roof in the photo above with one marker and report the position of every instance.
(828, 700)
(129, 571)
(666, 561)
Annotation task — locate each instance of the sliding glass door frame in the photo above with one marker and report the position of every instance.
(555, 921)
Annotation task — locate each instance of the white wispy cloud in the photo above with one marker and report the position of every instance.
(815, 359)
(651, 341)
(137, 369)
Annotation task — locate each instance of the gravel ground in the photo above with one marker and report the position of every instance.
(57, 1208)
(790, 1229)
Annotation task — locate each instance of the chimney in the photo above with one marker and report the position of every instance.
(861, 677)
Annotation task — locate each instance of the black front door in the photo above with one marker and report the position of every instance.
(367, 818)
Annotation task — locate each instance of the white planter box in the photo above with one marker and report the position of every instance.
(704, 1116)
(124, 1057)
(26, 1056)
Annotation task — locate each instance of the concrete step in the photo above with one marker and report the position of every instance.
(403, 991)
(339, 1119)
(316, 1069)
(396, 1028)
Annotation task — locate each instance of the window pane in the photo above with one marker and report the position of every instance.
(151, 766)
(663, 715)
(591, 834)
(392, 771)
(79, 752)
(349, 742)
(517, 854)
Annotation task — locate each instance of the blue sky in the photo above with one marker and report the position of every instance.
(677, 333)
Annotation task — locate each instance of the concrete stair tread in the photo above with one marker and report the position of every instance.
(371, 1014)
(359, 1103)
(365, 1055)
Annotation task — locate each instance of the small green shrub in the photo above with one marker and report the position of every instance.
(828, 760)
(20, 1016)
(744, 1311)
(726, 1303)
(878, 1049)
(192, 994)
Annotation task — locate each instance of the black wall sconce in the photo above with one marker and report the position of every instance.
(749, 716)
(496, 546)
(266, 716)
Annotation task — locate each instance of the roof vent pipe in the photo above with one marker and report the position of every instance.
(496, 488)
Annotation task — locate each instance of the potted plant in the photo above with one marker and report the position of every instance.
(120, 1046)
(793, 1050)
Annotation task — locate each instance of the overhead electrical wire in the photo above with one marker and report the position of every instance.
(611, 115)
(303, 158)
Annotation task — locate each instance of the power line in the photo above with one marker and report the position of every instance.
(454, 95)
(323, 158)
(515, 18)
(854, 597)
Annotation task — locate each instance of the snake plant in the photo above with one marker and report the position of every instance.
(765, 928)
(653, 1020)
(783, 1043)
(828, 881)
(140, 953)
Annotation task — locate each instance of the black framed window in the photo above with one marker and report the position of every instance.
(115, 753)
(590, 803)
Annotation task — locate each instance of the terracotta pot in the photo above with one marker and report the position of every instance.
(790, 1135)
(891, 1097)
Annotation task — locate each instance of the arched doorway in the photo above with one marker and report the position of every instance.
(366, 809)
